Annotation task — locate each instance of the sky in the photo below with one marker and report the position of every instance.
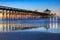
(40, 5)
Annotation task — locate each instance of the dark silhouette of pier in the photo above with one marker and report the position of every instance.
(9, 10)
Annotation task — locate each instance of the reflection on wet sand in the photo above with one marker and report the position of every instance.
(11, 27)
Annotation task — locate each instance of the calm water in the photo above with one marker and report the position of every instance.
(10, 29)
(15, 23)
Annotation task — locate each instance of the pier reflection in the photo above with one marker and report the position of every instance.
(19, 24)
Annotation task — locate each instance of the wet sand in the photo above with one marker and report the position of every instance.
(28, 35)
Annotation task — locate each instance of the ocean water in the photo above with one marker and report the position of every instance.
(39, 33)
(39, 22)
